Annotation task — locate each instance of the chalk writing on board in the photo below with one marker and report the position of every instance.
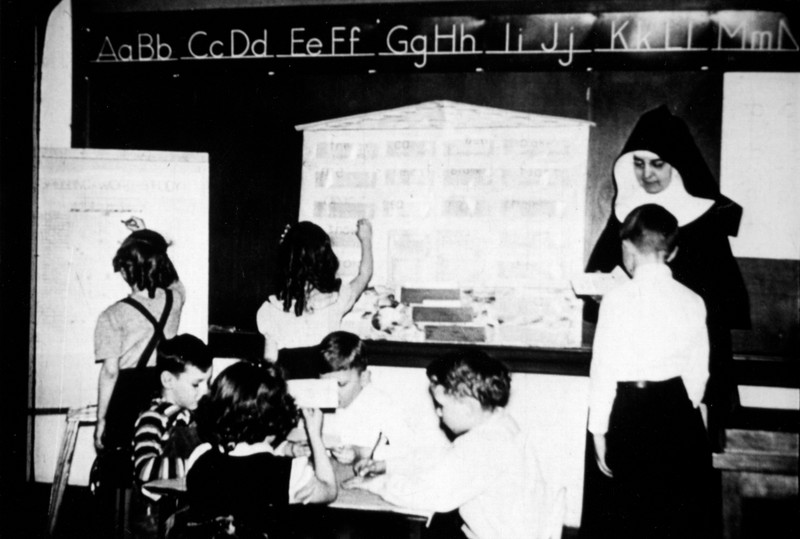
(564, 40)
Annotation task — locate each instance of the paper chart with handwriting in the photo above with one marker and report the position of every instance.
(486, 202)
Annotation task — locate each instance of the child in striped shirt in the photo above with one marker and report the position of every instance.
(164, 434)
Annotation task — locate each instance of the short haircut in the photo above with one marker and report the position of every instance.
(472, 373)
(246, 403)
(143, 261)
(173, 355)
(651, 229)
(341, 351)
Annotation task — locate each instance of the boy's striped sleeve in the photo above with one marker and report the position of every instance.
(151, 434)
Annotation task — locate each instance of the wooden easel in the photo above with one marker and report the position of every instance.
(86, 415)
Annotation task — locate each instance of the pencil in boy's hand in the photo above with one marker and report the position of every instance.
(364, 467)
(375, 447)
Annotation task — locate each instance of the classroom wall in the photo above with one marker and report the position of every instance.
(245, 119)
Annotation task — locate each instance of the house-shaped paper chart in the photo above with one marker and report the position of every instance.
(478, 217)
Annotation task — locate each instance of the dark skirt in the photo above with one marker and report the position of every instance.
(659, 453)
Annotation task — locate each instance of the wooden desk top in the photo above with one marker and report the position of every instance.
(361, 500)
(354, 500)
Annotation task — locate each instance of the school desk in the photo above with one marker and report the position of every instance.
(174, 491)
(759, 461)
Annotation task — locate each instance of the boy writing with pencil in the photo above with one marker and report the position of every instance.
(488, 473)
(648, 374)
(368, 423)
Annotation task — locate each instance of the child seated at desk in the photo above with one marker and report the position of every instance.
(368, 422)
(236, 480)
(488, 473)
(164, 435)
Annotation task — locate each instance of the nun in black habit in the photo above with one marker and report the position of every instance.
(661, 164)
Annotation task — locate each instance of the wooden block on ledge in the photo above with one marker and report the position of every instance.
(455, 333)
(441, 314)
(418, 295)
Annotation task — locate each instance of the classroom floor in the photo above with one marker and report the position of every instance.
(763, 520)
(78, 520)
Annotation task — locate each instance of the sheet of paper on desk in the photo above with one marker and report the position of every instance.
(314, 393)
(598, 284)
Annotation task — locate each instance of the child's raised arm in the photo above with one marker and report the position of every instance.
(360, 282)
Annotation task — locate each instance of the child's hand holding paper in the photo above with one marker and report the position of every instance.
(596, 285)
(314, 393)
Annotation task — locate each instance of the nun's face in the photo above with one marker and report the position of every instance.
(653, 173)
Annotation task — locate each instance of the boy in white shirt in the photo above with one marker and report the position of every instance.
(368, 422)
(648, 374)
(488, 473)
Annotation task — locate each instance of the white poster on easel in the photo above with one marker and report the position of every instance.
(760, 160)
(84, 195)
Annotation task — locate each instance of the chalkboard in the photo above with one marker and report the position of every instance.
(255, 163)
(759, 163)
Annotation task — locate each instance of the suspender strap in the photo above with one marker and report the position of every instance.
(158, 326)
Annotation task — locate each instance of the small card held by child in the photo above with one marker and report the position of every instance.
(314, 393)
(598, 284)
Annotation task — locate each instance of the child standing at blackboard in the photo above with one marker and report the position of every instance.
(311, 300)
(128, 331)
(648, 373)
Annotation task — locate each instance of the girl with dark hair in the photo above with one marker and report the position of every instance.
(311, 299)
(128, 331)
(236, 476)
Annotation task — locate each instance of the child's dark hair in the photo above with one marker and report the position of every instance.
(143, 261)
(651, 228)
(472, 373)
(246, 403)
(305, 260)
(173, 355)
(342, 350)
